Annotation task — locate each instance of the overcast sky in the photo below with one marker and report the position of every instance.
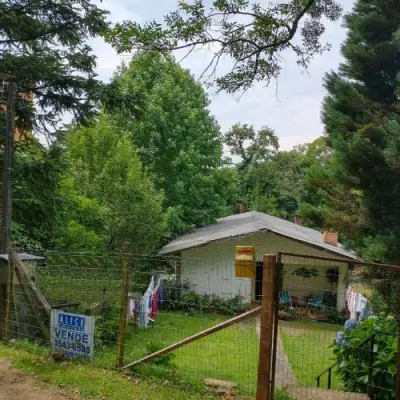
(291, 106)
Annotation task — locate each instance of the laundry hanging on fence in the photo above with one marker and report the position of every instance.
(357, 304)
(161, 294)
(145, 305)
(131, 309)
(133, 305)
(154, 300)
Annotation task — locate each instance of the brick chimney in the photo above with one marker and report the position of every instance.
(298, 220)
(331, 238)
(240, 208)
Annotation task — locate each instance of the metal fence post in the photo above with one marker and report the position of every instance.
(266, 328)
(370, 388)
(123, 318)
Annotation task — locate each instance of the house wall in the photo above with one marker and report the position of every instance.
(210, 269)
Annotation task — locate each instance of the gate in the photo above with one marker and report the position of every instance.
(335, 328)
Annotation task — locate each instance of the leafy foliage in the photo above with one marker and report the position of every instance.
(193, 302)
(106, 326)
(165, 360)
(37, 173)
(177, 139)
(108, 181)
(44, 50)
(354, 357)
(306, 272)
(362, 122)
(252, 147)
(252, 35)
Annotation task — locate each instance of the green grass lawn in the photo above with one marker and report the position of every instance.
(231, 354)
(306, 344)
(91, 382)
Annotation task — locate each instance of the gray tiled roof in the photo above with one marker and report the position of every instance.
(23, 257)
(248, 223)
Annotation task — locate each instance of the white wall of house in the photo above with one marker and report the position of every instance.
(210, 269)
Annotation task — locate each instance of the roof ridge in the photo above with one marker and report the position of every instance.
(247, 223)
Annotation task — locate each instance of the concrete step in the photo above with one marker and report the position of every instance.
(310, 393)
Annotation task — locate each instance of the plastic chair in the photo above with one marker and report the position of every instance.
(316, 302)
(285, 299)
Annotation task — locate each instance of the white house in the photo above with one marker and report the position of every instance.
(208, 257)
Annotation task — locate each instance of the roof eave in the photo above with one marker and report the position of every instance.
(314, 245)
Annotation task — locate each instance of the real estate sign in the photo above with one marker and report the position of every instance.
(72, 334)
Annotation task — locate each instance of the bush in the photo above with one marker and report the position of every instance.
(192, 302)
(165, 360)
(363, 371)
(106, 326)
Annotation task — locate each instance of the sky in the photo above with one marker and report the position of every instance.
(291, 105)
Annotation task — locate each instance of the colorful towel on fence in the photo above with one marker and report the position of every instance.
(145, 305)
(154, 300)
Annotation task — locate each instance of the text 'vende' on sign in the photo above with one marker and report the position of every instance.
(72, 335)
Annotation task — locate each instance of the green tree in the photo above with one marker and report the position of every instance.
(177, 139)
(269, 180)
(362, 120)
(252, 147)
(37, 173)
(277, 185)
(44, 50)
(252, 35)
(108, 180)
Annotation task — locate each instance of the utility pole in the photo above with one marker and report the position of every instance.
(7, 168)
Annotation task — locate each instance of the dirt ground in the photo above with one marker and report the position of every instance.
(14, 385)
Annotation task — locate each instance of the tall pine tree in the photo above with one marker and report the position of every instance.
(361, 114)
(44, 51)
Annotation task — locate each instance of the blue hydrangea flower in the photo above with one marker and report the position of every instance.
(350, 324)
(340, 340)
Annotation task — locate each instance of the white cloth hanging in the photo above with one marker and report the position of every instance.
(356, 303)
(145, 305)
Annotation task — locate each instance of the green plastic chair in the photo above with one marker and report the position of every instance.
(285, 299)
(316, 302)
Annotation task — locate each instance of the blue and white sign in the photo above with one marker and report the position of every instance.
(72, 335)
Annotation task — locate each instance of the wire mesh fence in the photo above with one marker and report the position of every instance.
(337, 334)
(166, 300)
(338, 328)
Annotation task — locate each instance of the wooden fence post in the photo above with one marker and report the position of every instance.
(10, 288)
(266, 328)
(123, 318)
(278, 288)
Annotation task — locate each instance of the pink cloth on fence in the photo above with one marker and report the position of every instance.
(154, 304)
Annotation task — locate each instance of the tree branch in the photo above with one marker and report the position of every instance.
(53, 30)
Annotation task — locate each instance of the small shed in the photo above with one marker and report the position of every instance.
(31, 261)
(23, 322)
(208, 256)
